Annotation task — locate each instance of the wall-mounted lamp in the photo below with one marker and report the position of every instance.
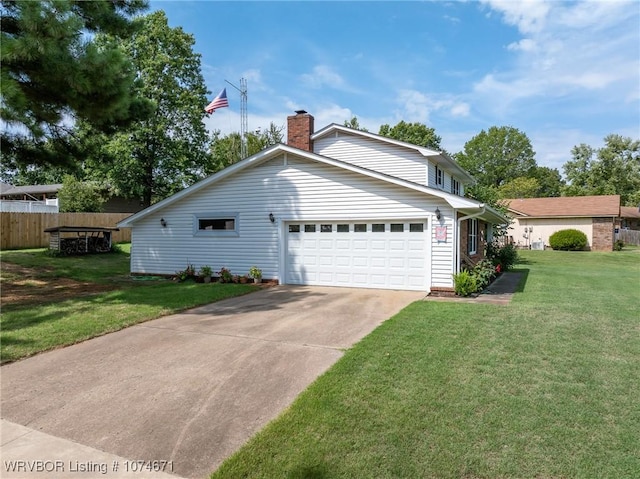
(530, 229)
(272, 218)
(163, 222)
(438, 215)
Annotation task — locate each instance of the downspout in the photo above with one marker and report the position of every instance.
(456, 250)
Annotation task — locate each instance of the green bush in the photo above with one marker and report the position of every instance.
(506, 256)
(465, 283)
(618, 245)
(484, 272)
(568, 240)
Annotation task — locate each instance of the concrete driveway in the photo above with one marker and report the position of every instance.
(193, 387)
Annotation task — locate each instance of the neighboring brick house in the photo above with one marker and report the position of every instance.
(536, 219)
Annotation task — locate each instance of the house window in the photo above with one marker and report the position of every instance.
(343, 228)
(326, 228)
(377, 227)
(219, 224)
(439, 176)
(455, 186)
(416, 227)
(309, 228)
(473, 236)
(360, 228)
(397, 227)
(294, 228)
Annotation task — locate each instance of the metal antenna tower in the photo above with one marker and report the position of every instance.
(244, 121)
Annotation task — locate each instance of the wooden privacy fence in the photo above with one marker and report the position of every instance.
(26, 230)
(629, 236)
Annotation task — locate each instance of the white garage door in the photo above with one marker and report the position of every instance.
(365, 254)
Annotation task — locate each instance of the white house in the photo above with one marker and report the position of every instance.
(337, 207)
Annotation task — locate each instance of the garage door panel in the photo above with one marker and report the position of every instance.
(328, 255)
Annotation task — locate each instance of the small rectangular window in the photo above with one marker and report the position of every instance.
(416, 227)
(360, 228)
(294, 228)
(216, 224)
(473, 236)
(455, 186)
(326, 228)
(397, 227)
(309, 228)
(343, 228)
(438, 176)
(377, 227)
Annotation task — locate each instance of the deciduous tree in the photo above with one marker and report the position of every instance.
(166, 152)
(497, 156)
(414, 133)
(611, 170)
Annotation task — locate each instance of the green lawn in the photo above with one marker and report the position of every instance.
(546, 387)
(26, 329)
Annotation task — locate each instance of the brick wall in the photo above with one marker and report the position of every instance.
(299, 130)
(602, 234)
(464, 241)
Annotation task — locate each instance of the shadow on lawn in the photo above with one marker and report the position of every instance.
(524, 276)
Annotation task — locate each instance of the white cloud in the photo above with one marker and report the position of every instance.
(321, 76)
(525, 45)
(416, 106)
(576, 49)
(528, 15)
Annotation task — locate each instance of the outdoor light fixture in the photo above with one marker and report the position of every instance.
(163, 222)
(272, 218)
(438, 216)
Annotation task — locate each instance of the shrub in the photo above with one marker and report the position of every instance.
(484, 271)
(568, 240)
(505, 256)
(188, 273)
(465, 283)
(225, 276)
(618, 245)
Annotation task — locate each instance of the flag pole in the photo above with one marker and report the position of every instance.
(244, 122)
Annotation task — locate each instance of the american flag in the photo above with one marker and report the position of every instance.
(218, 102)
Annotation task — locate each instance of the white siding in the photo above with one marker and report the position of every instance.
(298, 191)
(374, 155)
(442, 267)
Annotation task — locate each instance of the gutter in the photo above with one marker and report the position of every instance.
(456, 250)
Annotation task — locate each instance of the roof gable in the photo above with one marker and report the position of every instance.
(265, 155)
(437, 157)
(564, 206)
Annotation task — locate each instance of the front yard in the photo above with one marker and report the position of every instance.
(546, 387)
(51, 302)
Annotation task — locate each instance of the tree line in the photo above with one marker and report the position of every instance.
(110, 101)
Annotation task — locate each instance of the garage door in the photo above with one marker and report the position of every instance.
(367, 254)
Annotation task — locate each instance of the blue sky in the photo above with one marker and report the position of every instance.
(564, 73)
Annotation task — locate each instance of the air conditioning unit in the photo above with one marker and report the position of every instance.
(539, 245)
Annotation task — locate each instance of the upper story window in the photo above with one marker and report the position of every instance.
(222, 224)
(455, 186)
(439, 176)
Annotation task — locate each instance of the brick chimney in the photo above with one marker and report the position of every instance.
(299, 130)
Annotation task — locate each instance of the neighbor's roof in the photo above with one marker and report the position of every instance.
(566, 206)
(630, 212)
(32, 189)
